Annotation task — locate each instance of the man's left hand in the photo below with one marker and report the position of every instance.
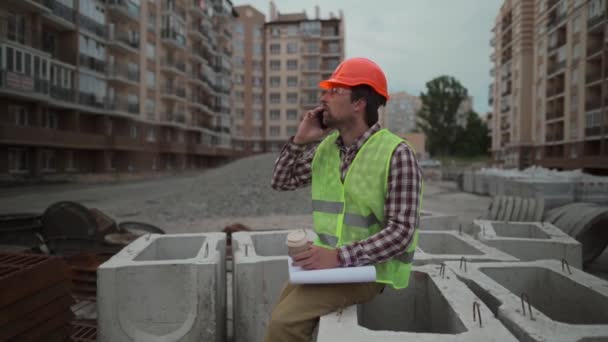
(317, 258)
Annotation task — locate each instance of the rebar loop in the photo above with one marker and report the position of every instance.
(463, 261)
(565, 262)
(246, 249)
(477, 306)
(525, 297)
(442, 271)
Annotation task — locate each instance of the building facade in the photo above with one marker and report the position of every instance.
(114, 86)
(248, 133)
(300, 52)
(565, 123)
(399, 114)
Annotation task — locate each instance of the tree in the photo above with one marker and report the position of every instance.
(473, 140)
(437, 117)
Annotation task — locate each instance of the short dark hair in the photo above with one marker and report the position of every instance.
(373, 101)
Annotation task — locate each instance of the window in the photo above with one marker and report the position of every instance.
(275, 31)
(292, 114)
(292, 47)
(275, 114)
(17, 160)
(577, 24)
(574, 103)
(573, 129)
(257, 50)
(48, 160)
(134, 132)
(276, 65)
(240, 113)
(292, 30)
(257, 81)
(70, 165)
(151, 135)
(50, 120)
(20, 114)
(275, 131)
(257, 115)
(292, 130)
(574, 77)
(150, 50)
(275, 98)
(292, 81)
(16, 27)
(292, 64)
(292, 98)
(151, 79)
(275, 49)
(576, 51)
(275, 81)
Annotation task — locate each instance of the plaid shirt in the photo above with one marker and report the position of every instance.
(293, 170)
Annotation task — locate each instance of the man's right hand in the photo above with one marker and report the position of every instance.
(310, 129)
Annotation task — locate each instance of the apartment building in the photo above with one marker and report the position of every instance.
(300, 52)
(399, 114)
(565, 125)
(511, 91)
(114, 86)
(248, 130)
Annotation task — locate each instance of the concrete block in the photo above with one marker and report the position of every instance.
(530, 241)
(434, 307)
(435, 247)
(468, 181)
(593, 191)
(555, 193)
(481, 183)
(164, 288)
(259, 274)
(565, 304)
(437, 221)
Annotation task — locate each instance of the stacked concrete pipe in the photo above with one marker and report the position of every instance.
(586, 223)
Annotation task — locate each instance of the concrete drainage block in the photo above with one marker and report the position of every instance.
(435, 306)
(439, 246)
(260, 272)
(541, 300)
(529, 241)
(164, 288)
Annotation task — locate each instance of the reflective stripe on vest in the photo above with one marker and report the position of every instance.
(327, 239)
(327, 206)
(360, 221)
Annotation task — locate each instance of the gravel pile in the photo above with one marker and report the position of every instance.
(239, 189)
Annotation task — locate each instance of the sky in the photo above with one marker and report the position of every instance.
(414, 41)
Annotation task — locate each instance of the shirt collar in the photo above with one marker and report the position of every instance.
(360, 141)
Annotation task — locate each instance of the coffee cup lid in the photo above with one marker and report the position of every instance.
(296, 236)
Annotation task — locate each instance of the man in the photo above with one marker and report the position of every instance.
(366, 192)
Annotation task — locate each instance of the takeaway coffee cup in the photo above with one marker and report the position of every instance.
(297, 242)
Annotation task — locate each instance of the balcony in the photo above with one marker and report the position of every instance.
(92, 100)
(174, 66)
(170, 7)
(174, 92)
(593, 77)
(555, 67)
(555, 114)
(62, 94)
(60, 11)
(173, 38)
(123, 73)
(92, 63)
(16, 135)
(197, 30)
(93, 26)
(595, 19)
(36, 6)
(22, 85)
(125, 8)
(128, 41)
(122, 105)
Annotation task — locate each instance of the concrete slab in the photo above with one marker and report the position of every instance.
(564, 305)
(436, 247)
(164, 288)
(554, 192)
(433, 308)
(468, 180)
(530, 241)
(259, 274)
(438, 221)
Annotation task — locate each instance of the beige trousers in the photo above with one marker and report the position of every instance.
(297, 312)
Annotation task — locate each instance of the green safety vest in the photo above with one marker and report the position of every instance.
(354, 210)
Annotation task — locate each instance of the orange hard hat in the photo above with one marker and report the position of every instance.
(357, 71)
